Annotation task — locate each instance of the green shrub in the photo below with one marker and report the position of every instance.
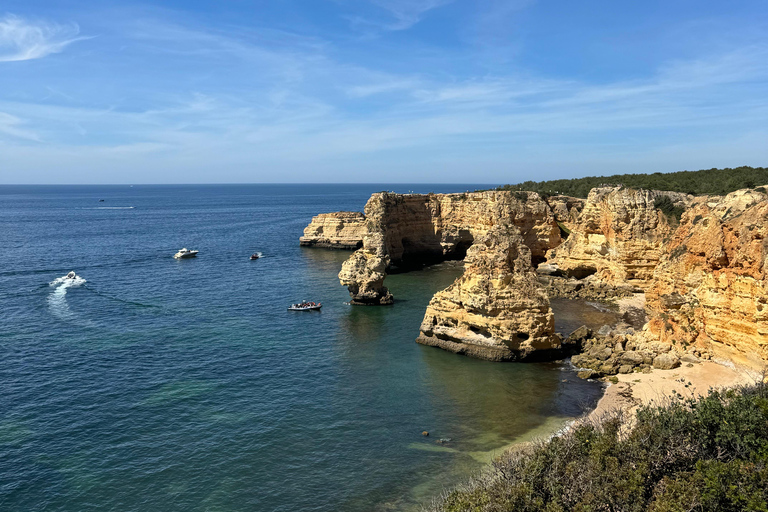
(709, 454)
(668, 208)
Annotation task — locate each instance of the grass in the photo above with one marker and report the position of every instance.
(706, 454)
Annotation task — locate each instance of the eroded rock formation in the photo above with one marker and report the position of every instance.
(410, 230)
(618, 238)
(704, 275)
(338, 230)
(497, 309)
(710, 288)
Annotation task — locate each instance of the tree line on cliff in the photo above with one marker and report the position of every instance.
(707, 181)
(707, 454)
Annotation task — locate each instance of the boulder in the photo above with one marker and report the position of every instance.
(666, 361)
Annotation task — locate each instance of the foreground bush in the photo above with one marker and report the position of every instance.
(709, 454)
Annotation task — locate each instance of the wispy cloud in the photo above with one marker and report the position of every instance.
(407, 13)
(400, 14)
(260, 104)
(21, 39)
(12, 125)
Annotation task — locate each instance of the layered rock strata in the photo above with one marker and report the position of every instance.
(710, 288)
(339, 230)
(496, 310)
(618, 238)
(410, 230)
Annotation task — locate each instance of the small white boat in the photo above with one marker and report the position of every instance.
(305, 306)
(71, 275)
(185, 253)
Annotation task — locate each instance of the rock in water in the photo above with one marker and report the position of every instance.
(364, 272)
(339, 230)
(411, 230)
(497, 309)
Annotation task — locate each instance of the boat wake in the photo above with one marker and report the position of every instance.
(57, 300)
(110, 208)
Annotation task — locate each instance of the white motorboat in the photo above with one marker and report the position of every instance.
(71, 275)
(305, 306)
(185, 253)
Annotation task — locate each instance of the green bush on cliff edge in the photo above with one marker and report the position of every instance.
(709, 454)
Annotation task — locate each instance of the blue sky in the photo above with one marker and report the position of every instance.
(494, 91)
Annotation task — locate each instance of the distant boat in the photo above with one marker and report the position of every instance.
(101, 200)
(185, 253)
(305, 306)
(255, 255)
(71, 275)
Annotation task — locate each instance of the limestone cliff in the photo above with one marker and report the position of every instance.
(339, 230)
(618, 238)
(410, 230)
(496, 310)
(710, 288)
(566, 210)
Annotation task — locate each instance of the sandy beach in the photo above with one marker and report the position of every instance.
(691, 379)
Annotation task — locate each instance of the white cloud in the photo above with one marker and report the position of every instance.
(407, 13)
(11, 125)
(24, 40)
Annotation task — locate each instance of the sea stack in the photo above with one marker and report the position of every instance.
(496, 310)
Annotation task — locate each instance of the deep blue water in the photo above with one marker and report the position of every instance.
(165, 385)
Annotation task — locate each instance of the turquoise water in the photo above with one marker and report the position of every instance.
(157, 384)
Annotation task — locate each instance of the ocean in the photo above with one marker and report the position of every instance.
(155, 384)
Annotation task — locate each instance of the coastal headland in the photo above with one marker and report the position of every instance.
(689, 271)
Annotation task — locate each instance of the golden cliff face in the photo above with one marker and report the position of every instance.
(410, 230)
(496, 310)
(704, 277)
(710, 288)
(339, 230)
(618, 237)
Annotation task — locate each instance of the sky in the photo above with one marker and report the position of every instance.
(378, 91)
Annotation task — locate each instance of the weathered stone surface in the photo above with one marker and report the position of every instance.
(410, 230)
(618, 238)
(666, 361)
(364, 272)
(631, 357)
(710, 289)
(339, 230)
(581, 333)
(496, 310)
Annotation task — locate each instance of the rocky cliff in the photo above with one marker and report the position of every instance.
(496, 310)
(710, 289)
(410, 230)
(703, 273)
(339, 230)
(618, 237)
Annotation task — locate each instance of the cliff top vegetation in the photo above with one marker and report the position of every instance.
(707, 181)
(692, 454)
